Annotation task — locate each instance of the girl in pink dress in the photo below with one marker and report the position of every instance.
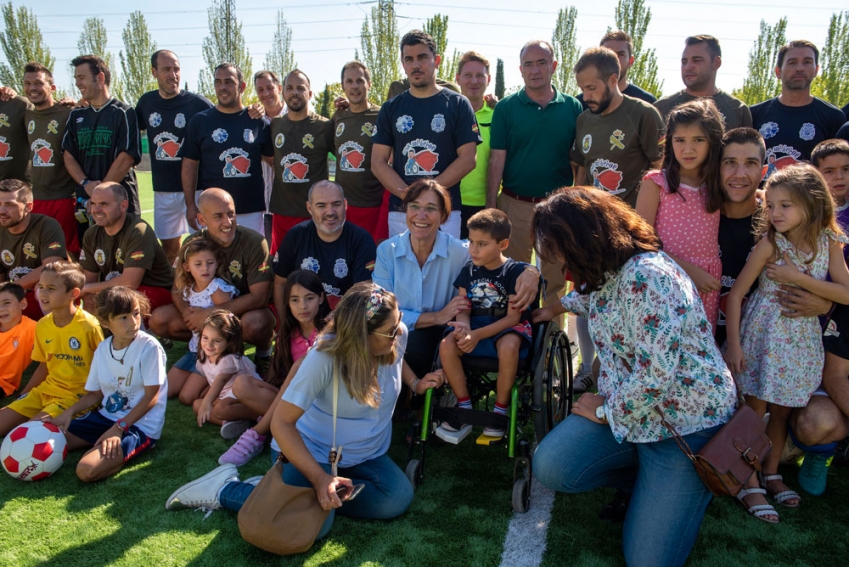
(682, 200)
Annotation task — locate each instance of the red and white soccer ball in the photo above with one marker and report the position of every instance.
(33, 451)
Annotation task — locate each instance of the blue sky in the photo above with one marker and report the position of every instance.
(326, 32)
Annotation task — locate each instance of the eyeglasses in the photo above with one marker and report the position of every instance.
(430, 209)
(391, 335)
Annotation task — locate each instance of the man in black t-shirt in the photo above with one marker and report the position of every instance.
(224, 147)
(341, 253)
(622, 45)
(101, 140)
(165, 114)
(794, 122)
(426, 131)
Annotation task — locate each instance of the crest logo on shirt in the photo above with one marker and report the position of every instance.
(137, 255)
(29, 251)
(235, 269)
(807, 131)
(351, 157)
(31, 126)
(438, 123)
(617, 139)
(54, 246)
(7, 257)
(4, 149)
(308, 140)
(4, 119)
(779, 157)
(53, 127)
(587, 143)
(249, 136)
(421, 158)
(264, 267)
(368, 129)
(278, 140)
(167, 146)
(340, 129)
(155, 119)
(340, 268)
(74, 343)
(220, 135)
(99, 257)
(236, 162)
(295, 168)
(180, 120)
(311, 264)
(606, 176)
(831, 329)
(42, 153)
(404, 123)
(768, 130)
(119, 256)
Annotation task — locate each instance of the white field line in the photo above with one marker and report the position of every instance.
(524, 545)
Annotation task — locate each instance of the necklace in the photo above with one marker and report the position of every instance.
(125, 349)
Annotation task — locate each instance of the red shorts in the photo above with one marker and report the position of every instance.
(33, 310)
(158, 296)
(63, 210)
(280, 225)
(372, 219)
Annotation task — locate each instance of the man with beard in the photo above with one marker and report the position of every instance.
(53, 190)
(28, 241)
(794, 122)
(621, 43)
(224, 148)
(618, 138)
(302, 140)
(165, 114)
(700, 61)
(341, 253)
(101, 140)
(269, 91)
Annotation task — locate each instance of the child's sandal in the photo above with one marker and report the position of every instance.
(783, 496)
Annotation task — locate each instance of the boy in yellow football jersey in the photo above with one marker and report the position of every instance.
(65, 340)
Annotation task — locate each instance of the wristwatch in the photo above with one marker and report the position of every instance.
(599, 413)
(122, 425)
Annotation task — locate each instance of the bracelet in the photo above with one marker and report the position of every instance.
(413, 384)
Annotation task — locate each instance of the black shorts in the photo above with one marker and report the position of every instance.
(835, 338)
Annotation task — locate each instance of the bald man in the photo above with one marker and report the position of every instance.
(247, 268)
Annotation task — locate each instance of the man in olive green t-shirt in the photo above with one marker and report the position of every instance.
(617, 139)
(14, 151)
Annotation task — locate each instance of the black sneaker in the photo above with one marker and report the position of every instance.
(841, 457)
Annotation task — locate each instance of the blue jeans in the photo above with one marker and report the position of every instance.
(387, 493)
(668, 499)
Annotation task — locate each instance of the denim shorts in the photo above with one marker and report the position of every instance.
(90, 426)
(187, 362)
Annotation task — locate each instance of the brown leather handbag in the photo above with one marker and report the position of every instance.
(737, 451)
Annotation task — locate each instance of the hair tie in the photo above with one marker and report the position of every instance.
(374, 301)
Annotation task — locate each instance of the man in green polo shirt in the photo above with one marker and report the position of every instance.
(532, 133)
(473, 77)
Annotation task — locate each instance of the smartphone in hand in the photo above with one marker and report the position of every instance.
(348, 493)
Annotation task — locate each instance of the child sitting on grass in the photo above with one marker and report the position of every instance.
(492, 328)
(17, 334)
(65, 340)
(128, 377)
(220, 360)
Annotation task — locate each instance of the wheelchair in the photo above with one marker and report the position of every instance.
(542, 393)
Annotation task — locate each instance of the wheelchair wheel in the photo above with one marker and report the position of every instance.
(521, 495)
(552, 383)
(414, 473)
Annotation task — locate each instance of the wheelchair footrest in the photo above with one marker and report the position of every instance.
(458, 416)
(487, 440)
(453, 437)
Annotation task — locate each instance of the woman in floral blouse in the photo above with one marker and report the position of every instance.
(657, 354)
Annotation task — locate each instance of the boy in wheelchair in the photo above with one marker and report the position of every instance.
(491, 328)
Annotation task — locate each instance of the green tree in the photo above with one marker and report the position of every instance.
(380, 42)
(136, 78)
(833, 82)
(93, 41)
(324, 100)
(499, 79)
(280, 58)
(437, 28)
(22, 42)
(761, 83)
(633, 17)
(224, 44)
(566, 51)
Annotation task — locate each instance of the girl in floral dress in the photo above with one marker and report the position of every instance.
(778, 360)
(682, 200)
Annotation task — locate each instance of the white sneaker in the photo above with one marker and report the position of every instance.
(202, 493)
(583, 381)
